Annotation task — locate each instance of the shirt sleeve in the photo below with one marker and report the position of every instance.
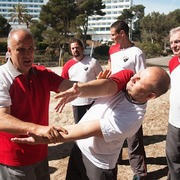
(121, 78)
(173, 63)
(50, 79)
(54, 80)
(66, 67)
(140, 61)
(64, 73)
(5, 99)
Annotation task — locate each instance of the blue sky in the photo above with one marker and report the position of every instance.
(161, 6)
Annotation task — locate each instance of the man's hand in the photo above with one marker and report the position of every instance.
(67, 96)
(32, 139)
(104, 74)
(52, 136)
(49, 132)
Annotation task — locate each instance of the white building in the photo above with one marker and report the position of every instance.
(33, 6)
(100, 29)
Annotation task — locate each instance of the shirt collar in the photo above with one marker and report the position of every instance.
(11, 69)
(131, 100)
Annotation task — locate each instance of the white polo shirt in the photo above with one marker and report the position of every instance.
(119, 119)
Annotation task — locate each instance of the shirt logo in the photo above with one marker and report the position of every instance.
(86, 68)
(125, 58)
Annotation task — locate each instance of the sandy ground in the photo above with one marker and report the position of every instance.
(154, 127)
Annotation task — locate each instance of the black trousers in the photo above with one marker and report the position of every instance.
(80, 168)
(79, 111)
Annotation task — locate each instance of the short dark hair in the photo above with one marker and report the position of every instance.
(120, 25)
(75, 40)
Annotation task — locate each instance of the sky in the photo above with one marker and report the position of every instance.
(161, 6)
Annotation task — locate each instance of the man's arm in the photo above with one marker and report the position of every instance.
(77, 131)
(65, 85)
(95, 88)
(98, 88)
(13, 125)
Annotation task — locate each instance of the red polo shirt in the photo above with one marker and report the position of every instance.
(29, 101)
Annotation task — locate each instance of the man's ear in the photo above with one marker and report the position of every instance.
(8, 49)
(151, 96)
(121, 32)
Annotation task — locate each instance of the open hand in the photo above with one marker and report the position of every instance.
(32, 139)
(104, 74)
(67, 96)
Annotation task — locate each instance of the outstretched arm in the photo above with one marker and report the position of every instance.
(77, 131)
(95, 88)
(13, 125)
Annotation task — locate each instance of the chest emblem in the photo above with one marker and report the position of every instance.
(125, 58)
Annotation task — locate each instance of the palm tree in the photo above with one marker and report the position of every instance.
(17, 13)
(27, 18)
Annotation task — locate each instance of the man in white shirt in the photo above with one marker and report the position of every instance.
(82, 68)
(111, 119)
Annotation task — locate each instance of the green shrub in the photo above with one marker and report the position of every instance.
(151, 50)
(41, 45)
(3, 47)
(102, 50)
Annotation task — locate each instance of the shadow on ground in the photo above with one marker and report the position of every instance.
(63, 150)
(160, 173)
(151, 139)
(59, 151)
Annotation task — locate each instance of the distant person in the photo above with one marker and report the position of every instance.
(82, 68)
(129, 57)
(108, 122)
(173, 133)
